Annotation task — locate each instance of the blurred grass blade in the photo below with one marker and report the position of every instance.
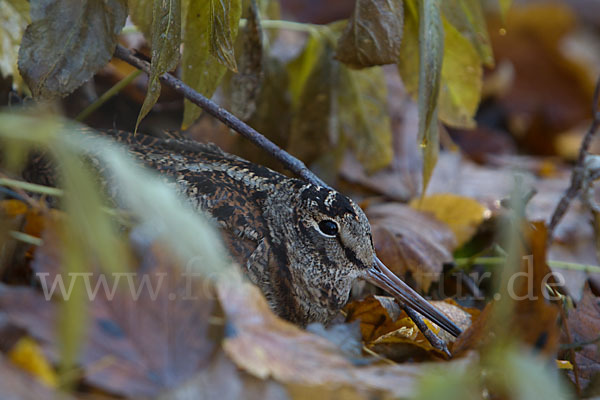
(88, 234)
(504, 7)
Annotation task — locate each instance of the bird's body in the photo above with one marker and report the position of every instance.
(269, 223)
(302, 245)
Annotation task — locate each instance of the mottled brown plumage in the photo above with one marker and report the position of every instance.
(301, 244)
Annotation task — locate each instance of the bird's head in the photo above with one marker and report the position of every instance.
(333, 247)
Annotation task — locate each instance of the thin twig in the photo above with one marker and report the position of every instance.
(433, 339)
(577, 176)
(212, 108)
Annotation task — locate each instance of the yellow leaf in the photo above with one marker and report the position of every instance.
(461, 79)
(564, 364)
(12, 207)
(462, 214)
(28, 355)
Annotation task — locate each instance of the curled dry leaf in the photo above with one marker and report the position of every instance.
(390, 332)
(411, 242)
(463, 215)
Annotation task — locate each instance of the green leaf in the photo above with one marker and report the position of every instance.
(200, 69)
(313, 85)
(460, 85)
(67, 42)
(468, 18)
(373, 34)
(166, 39)
(363, 116)
(14, 17)
(141, 15)
(225, 16)
(461, 71)
(462, 81)
(431, 56)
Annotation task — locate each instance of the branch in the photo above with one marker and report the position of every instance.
(578, 174)
(212, 108)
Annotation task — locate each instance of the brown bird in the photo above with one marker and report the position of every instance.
(301, 244)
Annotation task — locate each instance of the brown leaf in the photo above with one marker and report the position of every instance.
(266, 346)
(535, 319)
(476, 335)
(17, 384)
(67, 42)
(584, 327)
(409, 241)
(146, 338)
(373, 34)
(246, 84)
(551, 92)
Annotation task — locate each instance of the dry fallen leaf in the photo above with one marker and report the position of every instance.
(140, 340)
(462, 214)
(411, 242)
(535, 318)
(551, 92)
(27, 354)
(388, 331)
(584, 327)
(266, 346)
(18, 384)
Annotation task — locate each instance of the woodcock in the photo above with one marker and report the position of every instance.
(302, 245)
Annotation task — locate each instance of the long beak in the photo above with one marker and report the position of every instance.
(381, 276)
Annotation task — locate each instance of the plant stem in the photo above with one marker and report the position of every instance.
(107, 95)
(553, 264)
(288, 25)
(31, 187)
(23, 237)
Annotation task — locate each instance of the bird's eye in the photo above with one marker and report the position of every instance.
(328, 227)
